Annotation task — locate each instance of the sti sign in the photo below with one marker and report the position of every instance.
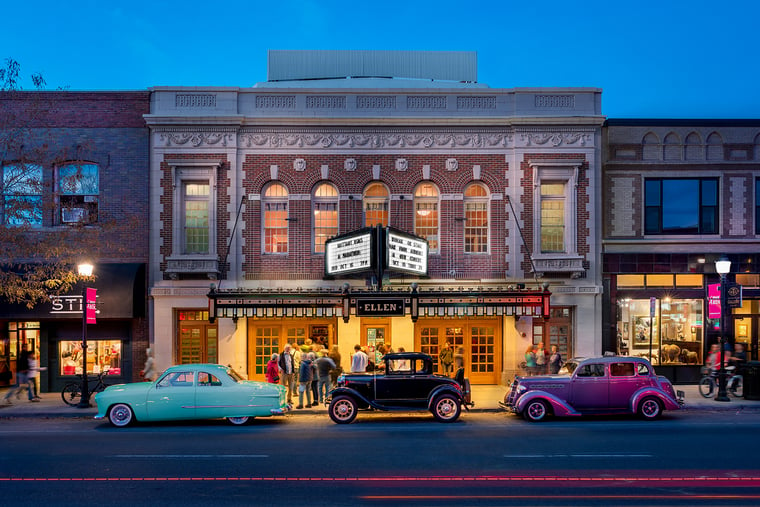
(348, 254)
(406, 253)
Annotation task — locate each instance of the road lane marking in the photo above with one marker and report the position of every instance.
(175, 456)
(579, 456)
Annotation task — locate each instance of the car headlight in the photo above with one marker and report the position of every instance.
(521, 389)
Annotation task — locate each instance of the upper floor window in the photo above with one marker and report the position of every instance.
(196, 198)
(275, 218)
(22, 194)
(376, 199)
(476, 199)
(681, 206)
(552, 216)
(325, 212)
(78, 188)
(426, 216)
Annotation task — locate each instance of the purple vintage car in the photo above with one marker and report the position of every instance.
(602, 385)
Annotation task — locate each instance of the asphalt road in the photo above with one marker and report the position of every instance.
(383, 459)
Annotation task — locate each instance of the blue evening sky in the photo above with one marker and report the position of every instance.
(652, 58)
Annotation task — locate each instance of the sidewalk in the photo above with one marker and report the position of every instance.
(486, 399)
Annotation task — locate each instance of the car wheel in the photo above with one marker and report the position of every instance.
(446, 408)
(121, 415)
(650, 408)
(536, 411)
(343, 409)
(238, 421)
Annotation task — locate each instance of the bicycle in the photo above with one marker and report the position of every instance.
(708, 384)
(72, 391)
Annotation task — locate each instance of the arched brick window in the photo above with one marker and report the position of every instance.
(274, 207)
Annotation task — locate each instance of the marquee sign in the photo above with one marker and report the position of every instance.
(348, 254)
(406, 253)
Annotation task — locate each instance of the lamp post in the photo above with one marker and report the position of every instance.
(722, 266)
(84, 270)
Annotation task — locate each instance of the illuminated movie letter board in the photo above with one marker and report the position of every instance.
(406, 253)
(348, 254)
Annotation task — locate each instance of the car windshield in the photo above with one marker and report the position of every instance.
(235, 376)
(569, 367)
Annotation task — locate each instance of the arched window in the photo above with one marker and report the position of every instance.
(376, 200)
(22, 194)
(476, 199)
(275, 218)
(325, 212)
(426, 216)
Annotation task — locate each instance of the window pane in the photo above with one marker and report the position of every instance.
(22, 190)
(78, 179)
(652, 193)
(196, 227)
(325, 223)
(476, 227)
(552, 225)
(680, 208)
(275, 209)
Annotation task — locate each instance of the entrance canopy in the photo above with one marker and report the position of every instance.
(347, 302)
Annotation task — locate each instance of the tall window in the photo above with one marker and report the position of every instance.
(275, 219)
(325, 207)
(426, 221)
(196, 218)
(552, 216)
(376, 200)
(681, 206)
(476, 219)
(78, 193)
(22, 195)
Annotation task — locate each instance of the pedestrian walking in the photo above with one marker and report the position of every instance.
(22, 376)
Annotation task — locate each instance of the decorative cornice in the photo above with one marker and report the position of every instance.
(555, 137)
(195, 138)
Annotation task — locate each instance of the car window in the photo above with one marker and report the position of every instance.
(401, 366)
(207, 379)
(235, 376)
(590, 370)
(177, 379)
(621, 370)
(642, 369)
(420, 367)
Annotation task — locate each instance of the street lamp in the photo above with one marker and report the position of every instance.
(722, 266)
(85, 270)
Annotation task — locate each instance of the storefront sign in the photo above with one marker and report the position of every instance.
(406, 253)
(734, 295)
(713, 301)
(348, 254)
(380, 307)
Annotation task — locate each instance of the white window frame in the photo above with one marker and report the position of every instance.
(553, 171)
(185, 172)
(366, 200)
(318, 200)
(482, 199)
(86, 211)
(274, 200)
(426, 200)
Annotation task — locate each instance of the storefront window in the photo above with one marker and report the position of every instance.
(101, 355)
(673, 337)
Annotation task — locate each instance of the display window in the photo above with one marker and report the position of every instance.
(102, 355)
(674, 336)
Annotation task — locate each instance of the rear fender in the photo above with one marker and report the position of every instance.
(559, 407)
(441, 390)
(667, 402)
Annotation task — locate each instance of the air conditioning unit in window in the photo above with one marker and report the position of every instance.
(73, 215)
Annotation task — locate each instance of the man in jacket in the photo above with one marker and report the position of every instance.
(287, 371)
(305, 376)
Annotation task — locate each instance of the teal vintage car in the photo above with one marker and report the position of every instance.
(191, 391)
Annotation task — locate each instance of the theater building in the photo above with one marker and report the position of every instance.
(679, 194)
(413, 210)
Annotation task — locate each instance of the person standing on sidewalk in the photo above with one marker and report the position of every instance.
(287, 371)
(446, 357)
(22, 375)
(34, 372)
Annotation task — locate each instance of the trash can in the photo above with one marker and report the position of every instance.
(751, 373)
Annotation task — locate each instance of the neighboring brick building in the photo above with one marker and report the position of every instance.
(247, 184)
(678, 195)
(102, 139)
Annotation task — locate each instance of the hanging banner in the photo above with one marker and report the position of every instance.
(90, 309)
(713, 301)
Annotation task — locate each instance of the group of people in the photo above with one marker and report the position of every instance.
(27, 371)
(539, 361)
(310, 367)
(734, 357)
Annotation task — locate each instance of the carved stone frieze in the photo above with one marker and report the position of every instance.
(196, 139)
(572, 265)
(371, 140)
(556, 138)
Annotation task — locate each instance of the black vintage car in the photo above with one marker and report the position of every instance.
(405, 382)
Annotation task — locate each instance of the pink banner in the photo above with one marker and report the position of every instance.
(713, 301)
(91, 295)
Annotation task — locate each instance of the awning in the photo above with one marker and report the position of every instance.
(263, 303)
(120, 295)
